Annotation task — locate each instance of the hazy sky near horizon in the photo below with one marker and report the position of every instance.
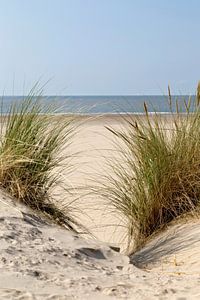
(100, 47)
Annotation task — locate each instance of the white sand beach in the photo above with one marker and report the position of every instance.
(40, 260)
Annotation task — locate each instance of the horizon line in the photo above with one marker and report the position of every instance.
(102, 95)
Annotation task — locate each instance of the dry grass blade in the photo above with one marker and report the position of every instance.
(198, 94)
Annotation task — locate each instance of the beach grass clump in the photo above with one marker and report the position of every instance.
(32, 139)
(157, 177)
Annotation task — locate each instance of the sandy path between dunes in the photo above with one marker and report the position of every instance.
(94, 144)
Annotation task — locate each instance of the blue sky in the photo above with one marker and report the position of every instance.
(100, 47)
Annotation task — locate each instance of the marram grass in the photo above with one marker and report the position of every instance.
(157, 177)
(30, 151)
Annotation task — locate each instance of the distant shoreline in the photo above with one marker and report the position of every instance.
(103, 105)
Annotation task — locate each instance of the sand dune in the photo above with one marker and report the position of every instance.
(40, 260)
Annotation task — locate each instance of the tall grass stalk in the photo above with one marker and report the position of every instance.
(157, 177)
(32, 139)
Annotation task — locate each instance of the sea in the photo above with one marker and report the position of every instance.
(105, 104)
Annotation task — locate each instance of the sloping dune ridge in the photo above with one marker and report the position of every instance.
(174, 250)
(40, 260)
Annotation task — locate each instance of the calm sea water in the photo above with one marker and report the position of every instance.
(104, 104)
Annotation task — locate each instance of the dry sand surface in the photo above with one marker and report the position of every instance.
(96, 145)
(40, 260)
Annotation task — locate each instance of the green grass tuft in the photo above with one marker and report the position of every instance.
(32, 139)
(158, 176)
